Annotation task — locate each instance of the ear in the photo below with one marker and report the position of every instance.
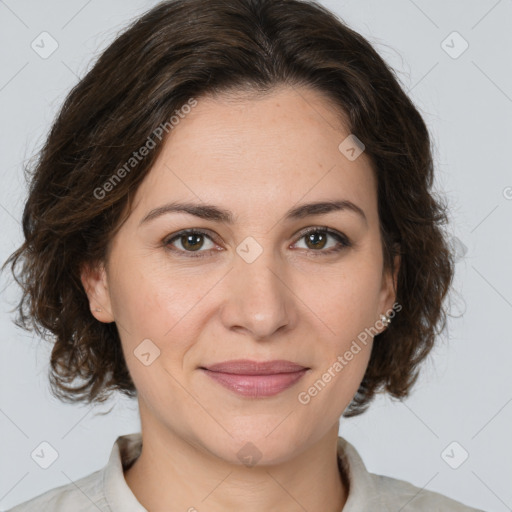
(95, 283)
(388, 293)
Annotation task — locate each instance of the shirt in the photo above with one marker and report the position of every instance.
(106, 489)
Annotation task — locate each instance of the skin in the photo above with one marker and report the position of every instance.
(258, 157)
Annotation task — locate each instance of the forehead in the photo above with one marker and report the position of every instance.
(250, 153)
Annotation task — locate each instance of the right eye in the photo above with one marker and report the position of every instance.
(191, 241)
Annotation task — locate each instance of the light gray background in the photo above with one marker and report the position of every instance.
(464, 393)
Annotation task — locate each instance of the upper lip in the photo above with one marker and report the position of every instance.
(248, 367)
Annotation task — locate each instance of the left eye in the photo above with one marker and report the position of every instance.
(316, 240)
(192, 241)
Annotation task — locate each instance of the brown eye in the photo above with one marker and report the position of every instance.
(317, 240)
(189, 241)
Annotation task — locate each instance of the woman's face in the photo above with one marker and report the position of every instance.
(252, 285)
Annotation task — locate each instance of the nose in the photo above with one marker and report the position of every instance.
(259, 300)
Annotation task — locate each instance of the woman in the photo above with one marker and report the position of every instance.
(232, 221)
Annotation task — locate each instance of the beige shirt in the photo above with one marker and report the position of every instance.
(106, 489)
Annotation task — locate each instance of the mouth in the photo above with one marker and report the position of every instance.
(249, 367)
(256, 379)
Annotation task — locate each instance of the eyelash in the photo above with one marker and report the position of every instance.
(343, 241)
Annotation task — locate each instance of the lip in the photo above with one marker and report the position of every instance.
(256, 379)
(249, 367)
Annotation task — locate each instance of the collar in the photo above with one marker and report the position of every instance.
(119, 496)
(362, 491)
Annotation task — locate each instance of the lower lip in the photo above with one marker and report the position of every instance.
(256, 386)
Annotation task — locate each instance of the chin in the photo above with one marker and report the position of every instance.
(253, 446)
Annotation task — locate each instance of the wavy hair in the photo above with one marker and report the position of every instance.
(191, 48)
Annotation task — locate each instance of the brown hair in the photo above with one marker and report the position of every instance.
(186, 49)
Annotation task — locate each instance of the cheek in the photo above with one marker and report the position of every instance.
(346, 298)
(153, 313)
(149, 299)
(332, 387)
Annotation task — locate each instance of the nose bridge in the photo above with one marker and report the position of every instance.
(258, 298)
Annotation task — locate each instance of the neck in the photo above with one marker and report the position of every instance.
(172, 474)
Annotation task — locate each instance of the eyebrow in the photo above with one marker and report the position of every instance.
(215, 213)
